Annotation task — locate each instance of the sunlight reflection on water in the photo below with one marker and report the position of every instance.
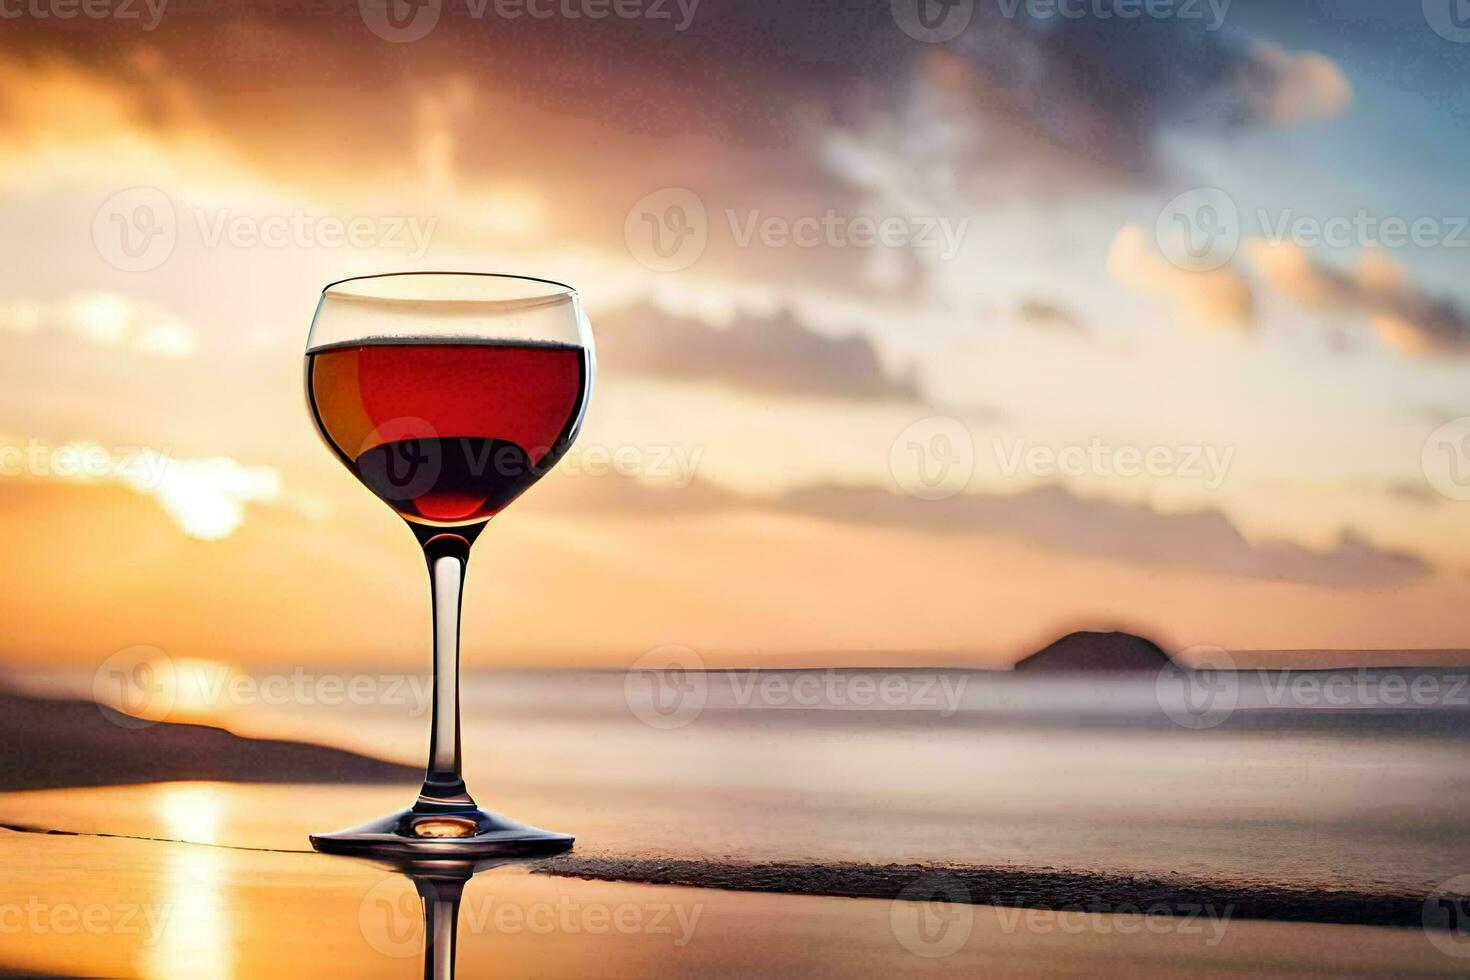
(198, 940)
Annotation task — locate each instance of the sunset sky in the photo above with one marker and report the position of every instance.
(174, 199)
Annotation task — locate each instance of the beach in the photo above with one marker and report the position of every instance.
(1057, 841)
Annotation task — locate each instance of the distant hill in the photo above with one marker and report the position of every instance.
(1085, 652)
(54, 743)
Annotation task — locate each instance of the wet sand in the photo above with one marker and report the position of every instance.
(249, 899)
(114, 907)
(1005, 839)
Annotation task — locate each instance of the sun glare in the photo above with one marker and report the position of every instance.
(190, 812)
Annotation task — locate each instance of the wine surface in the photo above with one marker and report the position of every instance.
(448, 433)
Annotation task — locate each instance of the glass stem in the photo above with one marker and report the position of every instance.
(441, 900)
(448, 555)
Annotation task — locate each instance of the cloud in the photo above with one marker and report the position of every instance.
(777, 354)
(1057, 106)
(105, 319)
(1051, 516)
(1221, 296)
(1404, 317)
(1415, 492)
(762, 106)
(1049, 316)
(205, 497)
(1284, 87)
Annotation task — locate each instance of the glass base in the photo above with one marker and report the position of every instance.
(449, 833)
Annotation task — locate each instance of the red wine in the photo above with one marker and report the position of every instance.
(448, 433)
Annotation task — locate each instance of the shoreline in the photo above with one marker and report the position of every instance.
(1050, 889)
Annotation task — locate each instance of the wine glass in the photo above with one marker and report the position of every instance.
(447, 395)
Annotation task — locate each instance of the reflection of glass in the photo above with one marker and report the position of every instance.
(447, 395)
(440, 889)
(440, 886)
